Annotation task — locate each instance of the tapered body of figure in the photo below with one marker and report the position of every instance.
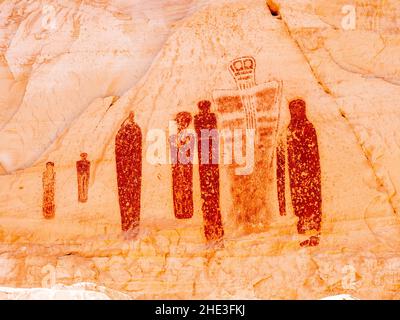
(49, 181)
(128, 156)
(250, 115)
(83, 174)
(205, 124)
(304, 173)
(182, 151)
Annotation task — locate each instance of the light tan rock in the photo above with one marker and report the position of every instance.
(77, 96)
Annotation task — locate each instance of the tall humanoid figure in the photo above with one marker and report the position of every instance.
(182, 151)
(304, 173)
(128, 156)
(205, 124)
(248, 118)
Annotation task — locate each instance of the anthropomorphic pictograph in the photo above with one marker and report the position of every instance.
(128, 156)
(252, 111)
(205, 123)
(304, 169)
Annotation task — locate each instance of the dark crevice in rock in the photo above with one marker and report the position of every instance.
(273, 8)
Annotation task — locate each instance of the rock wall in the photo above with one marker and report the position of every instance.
(76, 99)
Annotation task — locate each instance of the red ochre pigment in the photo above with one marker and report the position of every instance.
(83, 174)
(182, 151)
(49, 181)
(128, 156)
(304, 171)
(205, 123)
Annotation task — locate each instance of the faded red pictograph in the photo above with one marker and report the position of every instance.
(128, 156)
(251, 108)
(49, 181)
(182, 152)
(304, 173)
(83, 174)
(205, 124)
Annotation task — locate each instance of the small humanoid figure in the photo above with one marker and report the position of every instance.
(83, 173)
(49, 180)
(182, 151)
(128, 156)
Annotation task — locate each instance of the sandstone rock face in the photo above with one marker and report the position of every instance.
(71, 73)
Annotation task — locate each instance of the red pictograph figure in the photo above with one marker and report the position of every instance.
(280, 176)
(83, 173)
(182, 150)
(128, 156)
(304, 173)
(49, 181)
(251, 107)
(205, 124)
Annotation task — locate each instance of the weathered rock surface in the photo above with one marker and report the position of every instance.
(69, 90)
